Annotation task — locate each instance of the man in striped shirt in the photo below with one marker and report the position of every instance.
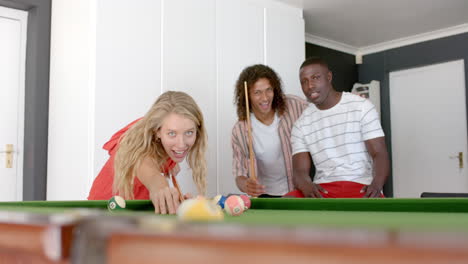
(272, 115)
(341, 134)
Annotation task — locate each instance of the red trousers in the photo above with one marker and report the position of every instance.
(339, 189)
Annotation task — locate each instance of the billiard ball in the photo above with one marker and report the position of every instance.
(219, 200)
(246, 200)
(199, 209)
(234, 205)
(116, 203)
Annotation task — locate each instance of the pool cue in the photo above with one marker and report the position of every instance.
(176, 185)
(249, 132)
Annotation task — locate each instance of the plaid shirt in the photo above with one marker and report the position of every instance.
(239, 139)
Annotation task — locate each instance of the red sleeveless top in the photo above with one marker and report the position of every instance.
(102, 185)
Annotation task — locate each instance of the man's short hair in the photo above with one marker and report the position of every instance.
(314, 60)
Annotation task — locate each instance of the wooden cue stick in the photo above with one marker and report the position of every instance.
(249, 132)
(176, 185)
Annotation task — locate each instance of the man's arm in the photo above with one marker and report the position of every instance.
(302, 163)
(378, 151)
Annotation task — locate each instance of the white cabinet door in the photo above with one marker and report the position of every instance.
(285, 46)
(240, 40)
(189, 65)
(13, 25)
(428, 119)
(128, 66)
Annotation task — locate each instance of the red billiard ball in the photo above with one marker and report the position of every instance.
(234, 205)
(246, 200)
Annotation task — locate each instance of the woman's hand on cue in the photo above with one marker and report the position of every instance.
(253, 188)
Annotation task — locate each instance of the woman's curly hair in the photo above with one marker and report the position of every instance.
(251, 75)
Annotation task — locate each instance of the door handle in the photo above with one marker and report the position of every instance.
(9, 155)
(460, 159)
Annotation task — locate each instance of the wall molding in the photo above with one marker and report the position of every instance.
(396, 43)
(331, 44)
(436, 34)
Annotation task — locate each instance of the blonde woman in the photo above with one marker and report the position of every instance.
(147, 151)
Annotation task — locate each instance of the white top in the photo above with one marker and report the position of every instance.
(270, 159)
(335, 139)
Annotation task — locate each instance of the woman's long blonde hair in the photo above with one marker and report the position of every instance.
(140, 141)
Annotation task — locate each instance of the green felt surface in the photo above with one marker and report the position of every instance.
(452, 205)
(137, 205)
(378, 205)
(354, 219)
(389, 213)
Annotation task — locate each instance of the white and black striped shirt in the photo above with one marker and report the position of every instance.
(335, 139)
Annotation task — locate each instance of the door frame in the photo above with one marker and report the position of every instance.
(36, 110)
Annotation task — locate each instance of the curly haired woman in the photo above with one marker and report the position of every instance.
(272, 117)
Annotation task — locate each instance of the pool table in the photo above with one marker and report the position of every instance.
(390, 230)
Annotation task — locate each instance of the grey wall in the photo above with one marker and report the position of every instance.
(377, 66)
(36, 96)
(343, 66)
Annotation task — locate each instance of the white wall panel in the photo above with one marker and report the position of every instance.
(128, 67)
(239, 38)
(285, 48)
(71, 70)
(189, 66)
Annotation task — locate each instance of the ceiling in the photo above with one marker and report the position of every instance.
(364, 23)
